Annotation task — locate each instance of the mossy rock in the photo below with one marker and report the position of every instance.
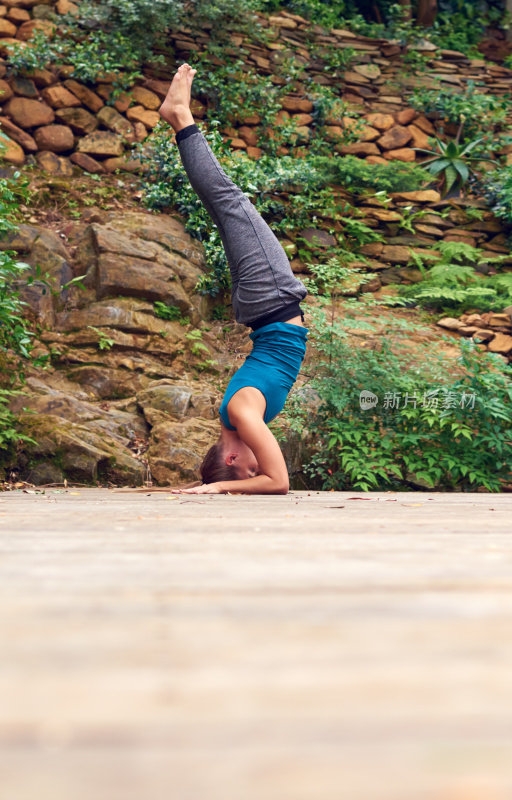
(82, 454)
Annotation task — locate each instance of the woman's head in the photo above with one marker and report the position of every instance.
(228, 461)
(214, 467)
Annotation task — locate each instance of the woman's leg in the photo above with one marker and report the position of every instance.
(262, 278)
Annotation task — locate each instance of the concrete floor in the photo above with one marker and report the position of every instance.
(323, 646)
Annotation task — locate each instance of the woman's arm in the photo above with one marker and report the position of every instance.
(273, 477)
(261, 484)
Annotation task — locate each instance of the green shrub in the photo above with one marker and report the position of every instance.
(429, 429)
(141, 22)
(172, 313)
(166, 312)
(233, 92)
(16, 339)
(336, 60)
(91, 54)
(328, 13)
(219, 15)
(111, 36)
(10, 435)
(480, 113)
(14, 333)
(104, 341)
(357, 175)
(460, 24)
(498, 191)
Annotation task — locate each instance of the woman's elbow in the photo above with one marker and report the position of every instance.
(277, 485)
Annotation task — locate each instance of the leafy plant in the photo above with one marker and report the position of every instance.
(443, 428)
(16, 338)
(104, 342)
(232, 93)
(334, 58)
(197, 347)
(220, 312)
(330, 281)
(459, 24)
(358, 175)
(111, 38)
(474, 214)
(222, 15)
(480, 113)
(141, 23)
(453, 284)
(14, 334)
(452, 163)
(416, 62)
(91, 56)
(498, 191)
(328, 13)
(166, 312)
(10, 435)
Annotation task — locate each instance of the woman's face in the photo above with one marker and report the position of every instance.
(246, 463)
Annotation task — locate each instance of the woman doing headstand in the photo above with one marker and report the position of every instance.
(265, 295)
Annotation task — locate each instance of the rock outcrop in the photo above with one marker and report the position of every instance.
(143, 407)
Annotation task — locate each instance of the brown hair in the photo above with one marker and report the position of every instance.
(214, 468)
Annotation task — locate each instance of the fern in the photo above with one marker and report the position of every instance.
(453, 283)
(458, 251)
(502, 284)
(452, 298)
(493, 259)
(419, 260)
(501, 281)
(447, 274)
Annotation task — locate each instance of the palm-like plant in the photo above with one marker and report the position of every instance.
(452, 161)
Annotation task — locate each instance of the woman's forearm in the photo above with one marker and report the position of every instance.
(260, 484)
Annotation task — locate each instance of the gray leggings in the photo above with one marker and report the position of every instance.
(261, 277)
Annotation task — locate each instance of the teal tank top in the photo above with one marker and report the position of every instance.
(272, 367)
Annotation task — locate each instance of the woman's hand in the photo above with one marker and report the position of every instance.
(205, 488)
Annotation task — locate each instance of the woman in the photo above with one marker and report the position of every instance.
(265, 296)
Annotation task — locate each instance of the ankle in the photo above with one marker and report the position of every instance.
(180, 117)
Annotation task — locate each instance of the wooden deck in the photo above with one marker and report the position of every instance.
(301, 647)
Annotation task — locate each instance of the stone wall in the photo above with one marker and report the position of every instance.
(66, 127)
(61, 122)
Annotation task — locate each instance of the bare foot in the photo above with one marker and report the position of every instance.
(176, 107)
